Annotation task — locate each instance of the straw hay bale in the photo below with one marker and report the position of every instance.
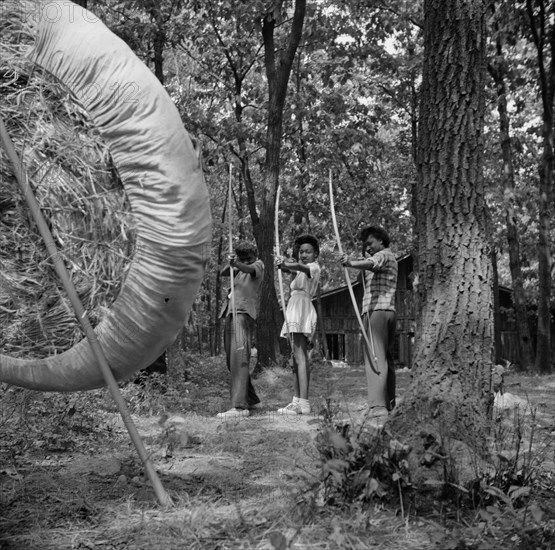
(75, 182)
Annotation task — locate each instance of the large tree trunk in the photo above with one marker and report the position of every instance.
(451, 386)
(526, 353)
(278, 72)
(270, 318)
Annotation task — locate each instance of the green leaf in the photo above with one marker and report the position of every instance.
(278, 540)
(338, 441)
(536, 512)
(434, 482)
(516, 492)
(486, 516)
(505, 456)
(498, 493)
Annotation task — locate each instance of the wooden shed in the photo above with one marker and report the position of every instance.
(341, 326)
(343, 336)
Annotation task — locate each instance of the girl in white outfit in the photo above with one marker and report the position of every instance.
(300, 316)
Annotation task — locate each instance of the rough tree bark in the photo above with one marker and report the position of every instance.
(278, 70)
(451, 386)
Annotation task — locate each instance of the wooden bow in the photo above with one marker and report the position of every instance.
(278, 253)
(369, 342)
(231, 269)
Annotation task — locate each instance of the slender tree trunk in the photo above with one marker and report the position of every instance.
(304, 178)
(496, 310)
(198, 330)
(269, 316)
(542, 28)
(451, 387)
(321, 327)
(218, 290)
(158, 40)
(209, 315)
(414, 143)
(174, 354)
(526, 353)
(304, 173)
(543, 351)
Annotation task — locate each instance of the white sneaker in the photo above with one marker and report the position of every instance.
(233, 414)
(294, 409)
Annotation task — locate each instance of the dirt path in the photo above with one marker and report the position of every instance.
(235, 484)
(264, 454)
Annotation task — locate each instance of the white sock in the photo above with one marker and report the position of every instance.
(295, 399)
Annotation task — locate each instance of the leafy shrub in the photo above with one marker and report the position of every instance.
(358, 463)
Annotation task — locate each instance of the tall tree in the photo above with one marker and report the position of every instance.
(149, 27)
(498, 69)
(278, 63)
(542, 29)
(241, 124)
(453, 356)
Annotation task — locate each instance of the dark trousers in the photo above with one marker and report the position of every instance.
(238, 353)
(381, 387)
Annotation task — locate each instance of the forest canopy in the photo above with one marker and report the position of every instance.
(351, 105)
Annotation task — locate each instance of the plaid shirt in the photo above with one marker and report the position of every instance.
(380, 282)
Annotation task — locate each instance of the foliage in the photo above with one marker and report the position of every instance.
(359, 464)
(246, 485)
(342, 113)
(506, 494)
(508, 25)
(34, 422)
(351, 107)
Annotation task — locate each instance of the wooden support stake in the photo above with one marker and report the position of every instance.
(163, 498)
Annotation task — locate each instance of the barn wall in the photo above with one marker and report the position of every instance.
(341, 325)
(342, 328)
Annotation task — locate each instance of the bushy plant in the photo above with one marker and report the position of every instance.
(497, 500)
(359, 463)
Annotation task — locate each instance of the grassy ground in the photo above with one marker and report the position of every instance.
(70, 478)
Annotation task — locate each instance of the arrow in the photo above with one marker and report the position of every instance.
(369, 342)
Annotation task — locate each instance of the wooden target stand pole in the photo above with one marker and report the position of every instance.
(163, 498)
